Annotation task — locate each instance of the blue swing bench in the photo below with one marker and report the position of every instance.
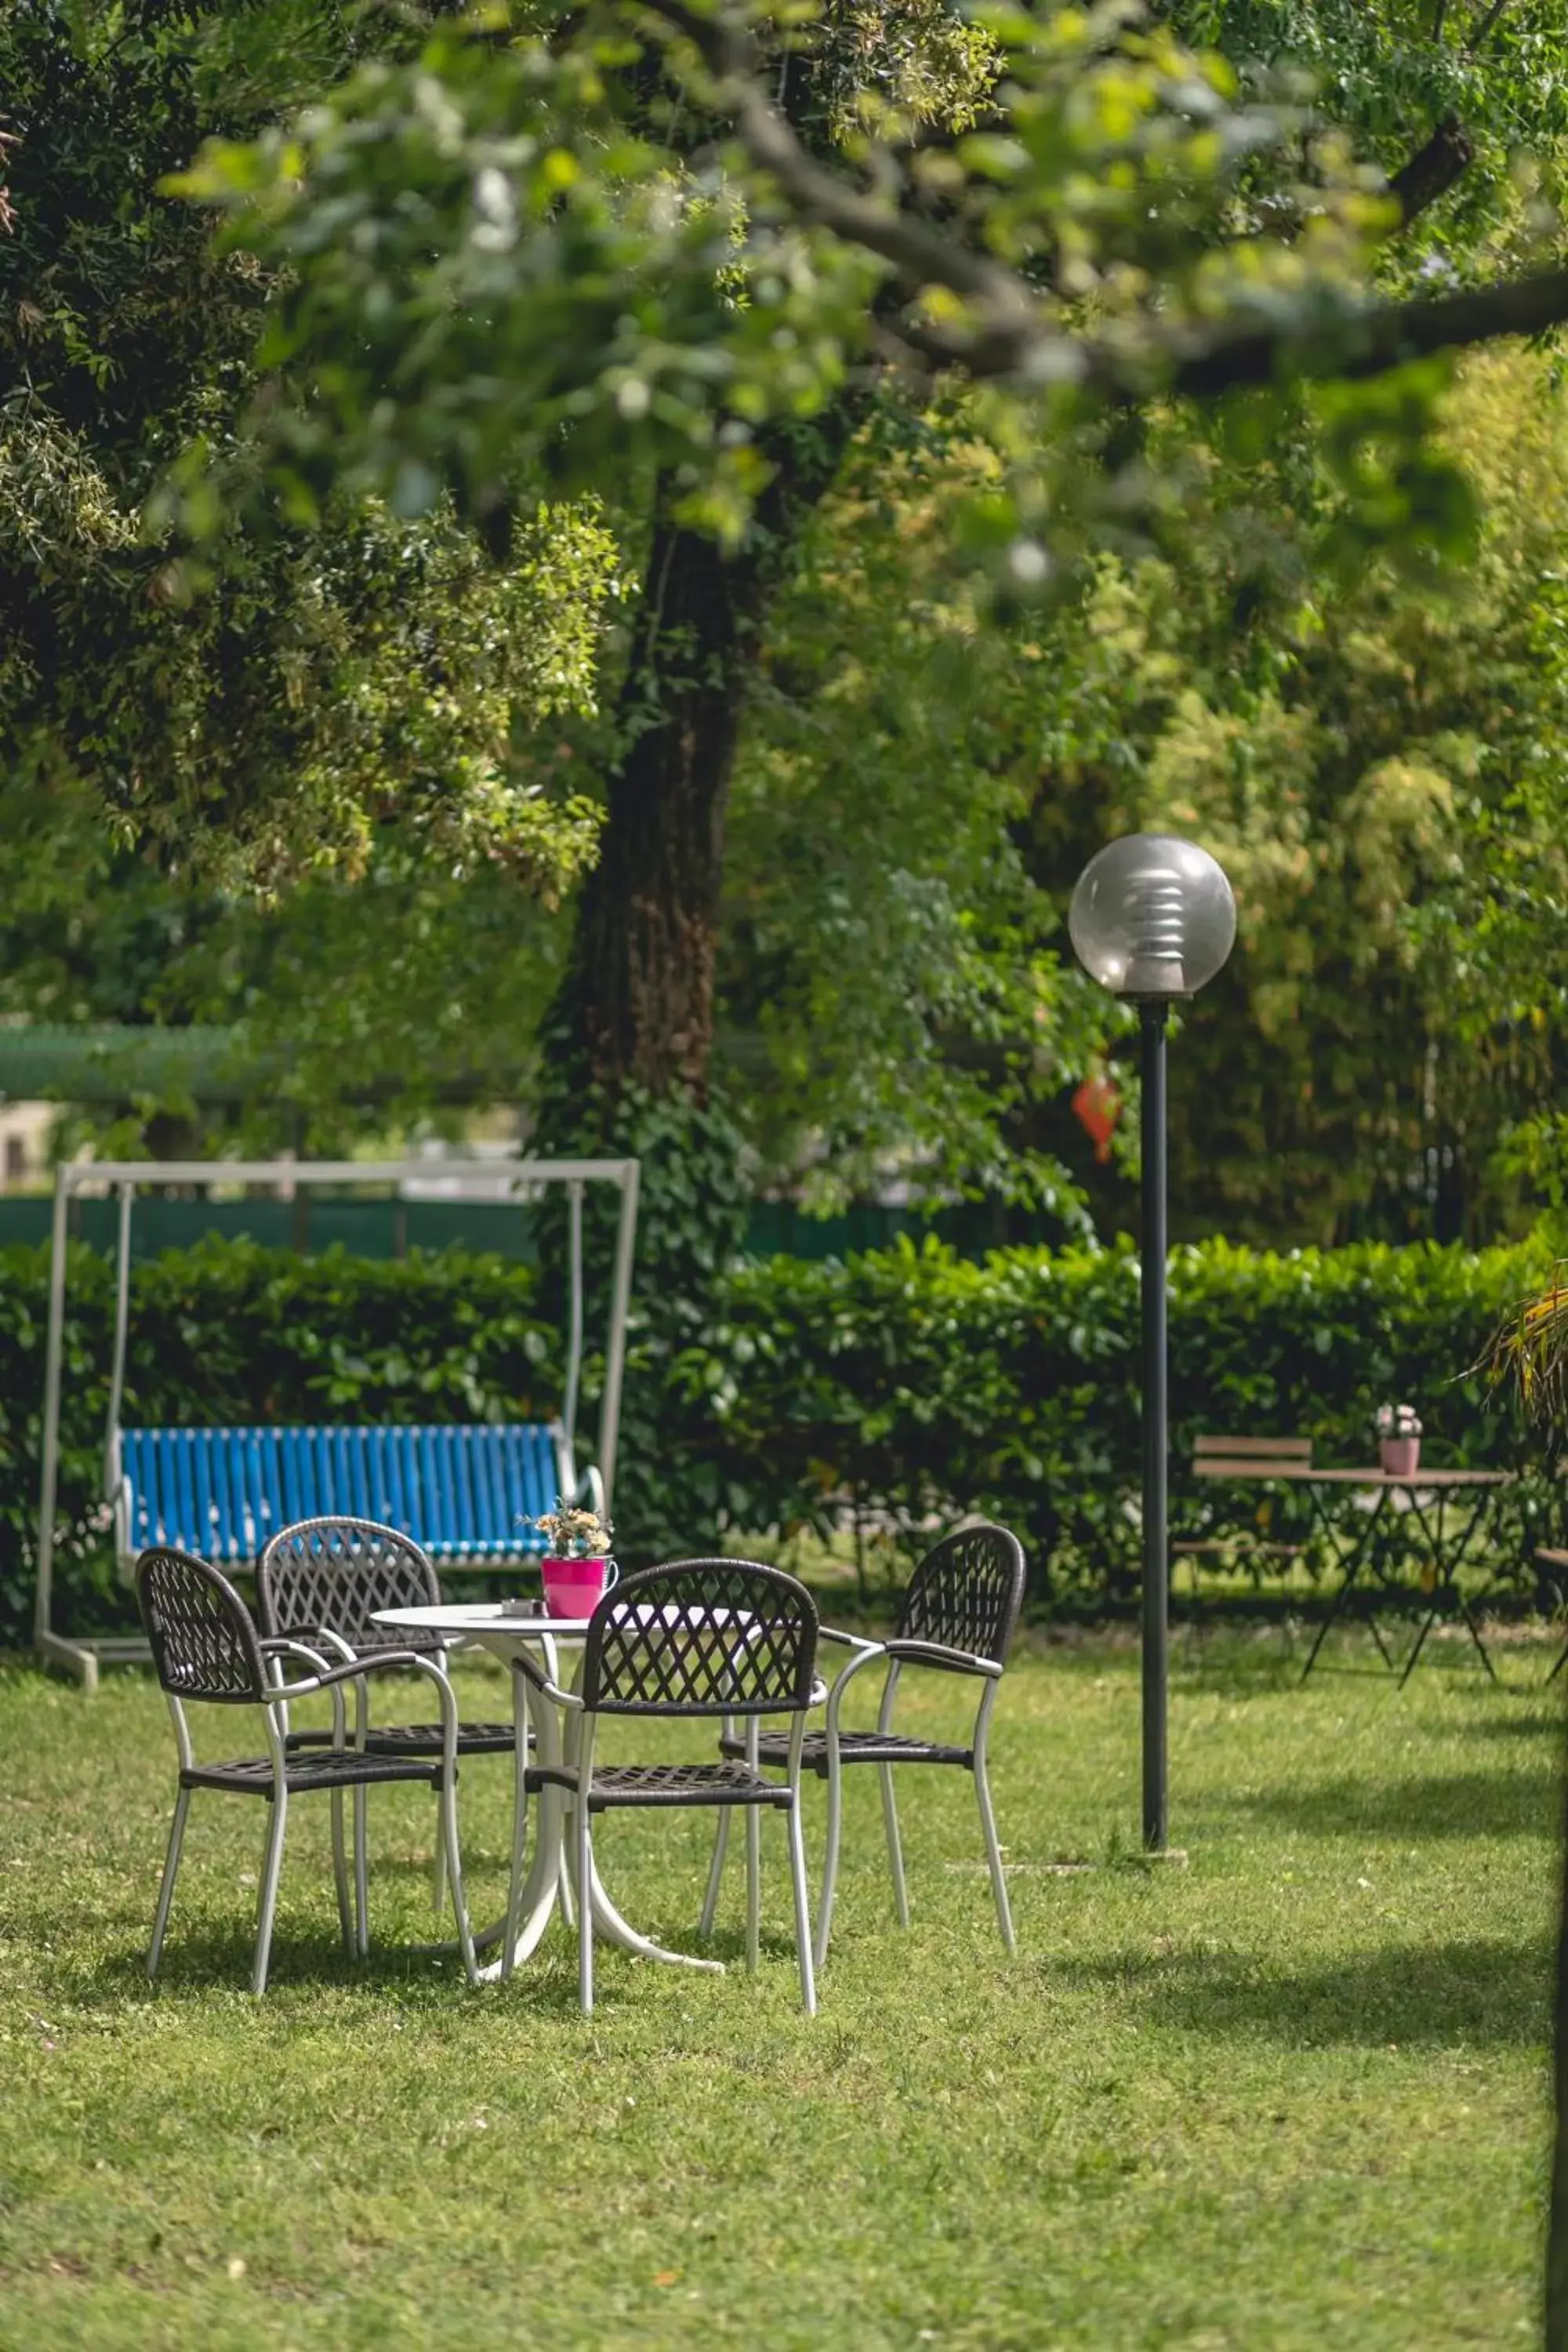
(466, 1494)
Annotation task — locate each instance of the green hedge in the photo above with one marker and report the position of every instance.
(926, 1384)
(231, 1332)
(913, 1382)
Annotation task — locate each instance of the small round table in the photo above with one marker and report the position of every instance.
(550, 1882)
(1418, 1487)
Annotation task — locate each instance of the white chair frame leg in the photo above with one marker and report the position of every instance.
(889, 1809)
(862, 1659)
(273, 1697)
(449, 1850)
(988, 1820)
(716, 1869)
(166, 1888)
(582, 1848)
(798, 1871)
(597, 1915)
(753, 1861)
(341, 1874)
(271, 1868)
(515, 1899)
(350, 1922)
(803, 1931)
(275, 1719)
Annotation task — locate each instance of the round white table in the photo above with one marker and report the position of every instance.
(550, 1882)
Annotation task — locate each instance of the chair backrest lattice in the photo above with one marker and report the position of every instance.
(702, 1637)
(967, 1593)
(338, 1572)
(203, 1638)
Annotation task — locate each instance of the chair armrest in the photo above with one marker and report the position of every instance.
(944, 1660)
(275, 1647)
(294, 1638)
(293, 1645)
(847, 1640)
(521, 1663)
(379, 1663)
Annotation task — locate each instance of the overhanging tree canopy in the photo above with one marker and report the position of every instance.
(685, 247)
(589, 236)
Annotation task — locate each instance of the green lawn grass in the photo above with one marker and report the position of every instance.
(1290, 2095)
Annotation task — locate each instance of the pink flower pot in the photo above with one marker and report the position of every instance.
(1401, 1456)
(573, 1588)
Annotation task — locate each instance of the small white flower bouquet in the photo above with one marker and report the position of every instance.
(574, 1533)
(1399, 1439)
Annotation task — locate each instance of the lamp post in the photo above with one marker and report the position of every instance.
(1152, 920)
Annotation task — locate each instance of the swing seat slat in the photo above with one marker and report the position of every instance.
(464, 1493)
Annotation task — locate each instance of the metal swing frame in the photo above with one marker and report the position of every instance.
(82, 1657)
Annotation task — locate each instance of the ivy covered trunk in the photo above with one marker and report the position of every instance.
(640, 995)
(629, 1046)
(636, 1011)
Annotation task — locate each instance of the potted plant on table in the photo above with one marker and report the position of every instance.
(1399, 1440)
(577, 1569)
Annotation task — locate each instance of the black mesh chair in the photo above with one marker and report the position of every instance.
(207, 1649)
(717, 1638)
(328, 1577)
(958, 1617)
(323, 1580)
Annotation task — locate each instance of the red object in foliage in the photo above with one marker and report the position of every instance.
(1097, 1106)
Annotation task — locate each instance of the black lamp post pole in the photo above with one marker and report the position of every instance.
(1156, 1558)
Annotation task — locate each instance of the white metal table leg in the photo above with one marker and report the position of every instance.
(531, 1905)
(609, 1924)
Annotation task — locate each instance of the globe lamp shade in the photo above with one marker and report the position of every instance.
(1153, 917)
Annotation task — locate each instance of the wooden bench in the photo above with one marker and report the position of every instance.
(1250, 1458)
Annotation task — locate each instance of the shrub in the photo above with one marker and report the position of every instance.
(913, 1382)
(924, 1384)
(232, 1332)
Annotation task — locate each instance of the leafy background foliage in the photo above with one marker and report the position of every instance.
(320, 683)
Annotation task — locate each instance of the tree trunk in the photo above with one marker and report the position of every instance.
(637, 1005)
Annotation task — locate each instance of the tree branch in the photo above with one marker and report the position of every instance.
(1011, 333)
(1432, 171)
(1489, 23)
(1368, 342)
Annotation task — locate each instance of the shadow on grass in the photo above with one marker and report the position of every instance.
(1518, 1804)
(1479, 1992)
(1537, 1724)
(208, 1959)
